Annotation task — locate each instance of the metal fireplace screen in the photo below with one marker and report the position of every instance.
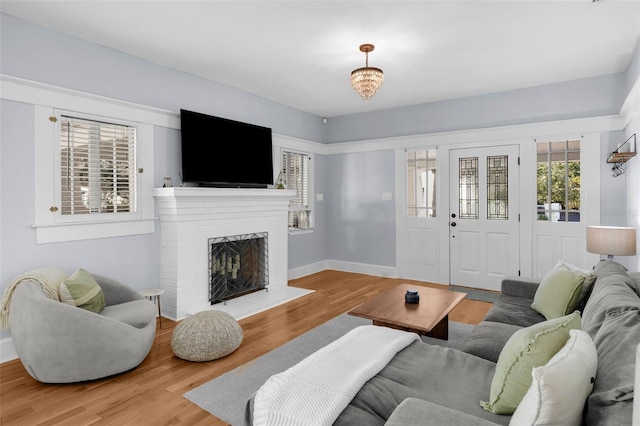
(238, 265)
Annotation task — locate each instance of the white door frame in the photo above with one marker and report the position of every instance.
(527, 185)
(525, 136)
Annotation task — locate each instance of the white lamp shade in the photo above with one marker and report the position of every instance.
(611, 240)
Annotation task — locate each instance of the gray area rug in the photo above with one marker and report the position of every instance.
(475, 294)
(225, 396)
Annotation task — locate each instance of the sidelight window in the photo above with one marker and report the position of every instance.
(558, 185)
(421, 183)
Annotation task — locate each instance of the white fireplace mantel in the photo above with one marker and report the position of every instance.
(189, 216)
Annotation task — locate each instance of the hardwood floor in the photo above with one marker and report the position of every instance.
(151, 394)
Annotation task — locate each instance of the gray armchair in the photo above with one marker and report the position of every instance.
(59, 343)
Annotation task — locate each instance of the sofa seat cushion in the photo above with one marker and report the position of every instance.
(136, 313)
(515, 311)
(413, 411)
(488, 338)
(443, 376)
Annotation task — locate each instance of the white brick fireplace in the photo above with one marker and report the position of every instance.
(190, 216)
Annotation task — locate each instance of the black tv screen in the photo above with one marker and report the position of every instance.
(219, 152)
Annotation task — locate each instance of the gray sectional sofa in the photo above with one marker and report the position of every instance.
(433, 385)
(610, 308)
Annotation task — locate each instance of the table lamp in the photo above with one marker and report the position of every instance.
(611, 241)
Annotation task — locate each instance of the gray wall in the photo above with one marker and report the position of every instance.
(353, 224)
(132, 259)
(613, 189)
(361, 226)
(633, 192)
(126, 258)
(36, 53)
(589, 97)
(310, 248)
(633, 70)
(632, 176)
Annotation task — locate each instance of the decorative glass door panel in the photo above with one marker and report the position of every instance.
(498, 187)
(468, 184)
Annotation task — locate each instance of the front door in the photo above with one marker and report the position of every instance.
(483, 216)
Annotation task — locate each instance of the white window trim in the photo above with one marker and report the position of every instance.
(278, 168)
(48, 228)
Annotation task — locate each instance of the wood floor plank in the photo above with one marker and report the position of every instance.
(151, 394)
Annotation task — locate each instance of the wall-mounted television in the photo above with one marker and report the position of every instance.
(219, 152)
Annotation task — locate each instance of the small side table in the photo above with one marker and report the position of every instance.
(153, 294)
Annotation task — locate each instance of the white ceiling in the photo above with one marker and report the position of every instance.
(301, 53)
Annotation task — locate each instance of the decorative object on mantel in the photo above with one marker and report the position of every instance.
(280, 182)
(622, 154)
(167, 183)
(611, 240)
(366, 81)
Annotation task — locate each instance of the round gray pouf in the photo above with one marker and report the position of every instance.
(206, 336)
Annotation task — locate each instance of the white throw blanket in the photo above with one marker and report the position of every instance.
(317, 389)
(48, 278)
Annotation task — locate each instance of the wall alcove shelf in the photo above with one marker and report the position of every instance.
(619, 156)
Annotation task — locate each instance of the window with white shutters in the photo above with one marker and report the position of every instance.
(93, 171)
(97, 167)
(295, 175)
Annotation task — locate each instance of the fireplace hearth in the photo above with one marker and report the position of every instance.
(238, 265)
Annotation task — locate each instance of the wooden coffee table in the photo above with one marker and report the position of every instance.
(429, 317)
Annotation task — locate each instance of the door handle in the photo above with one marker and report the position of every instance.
(453, 224)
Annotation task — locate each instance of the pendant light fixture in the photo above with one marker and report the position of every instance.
(366, 81)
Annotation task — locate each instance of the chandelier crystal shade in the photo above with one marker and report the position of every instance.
(366, 81)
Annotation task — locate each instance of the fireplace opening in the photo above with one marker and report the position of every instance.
(238, 265)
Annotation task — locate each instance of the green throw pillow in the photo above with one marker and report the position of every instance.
(526, 349)
(558, 292)
(81, 290)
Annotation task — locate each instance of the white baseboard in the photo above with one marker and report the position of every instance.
(363, 268)
(309, 269)
(357, 268)
(7, 350)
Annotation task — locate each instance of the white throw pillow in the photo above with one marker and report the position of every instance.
(561, 387)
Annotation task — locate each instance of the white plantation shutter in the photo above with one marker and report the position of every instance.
(98, 167)
(295, 174)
